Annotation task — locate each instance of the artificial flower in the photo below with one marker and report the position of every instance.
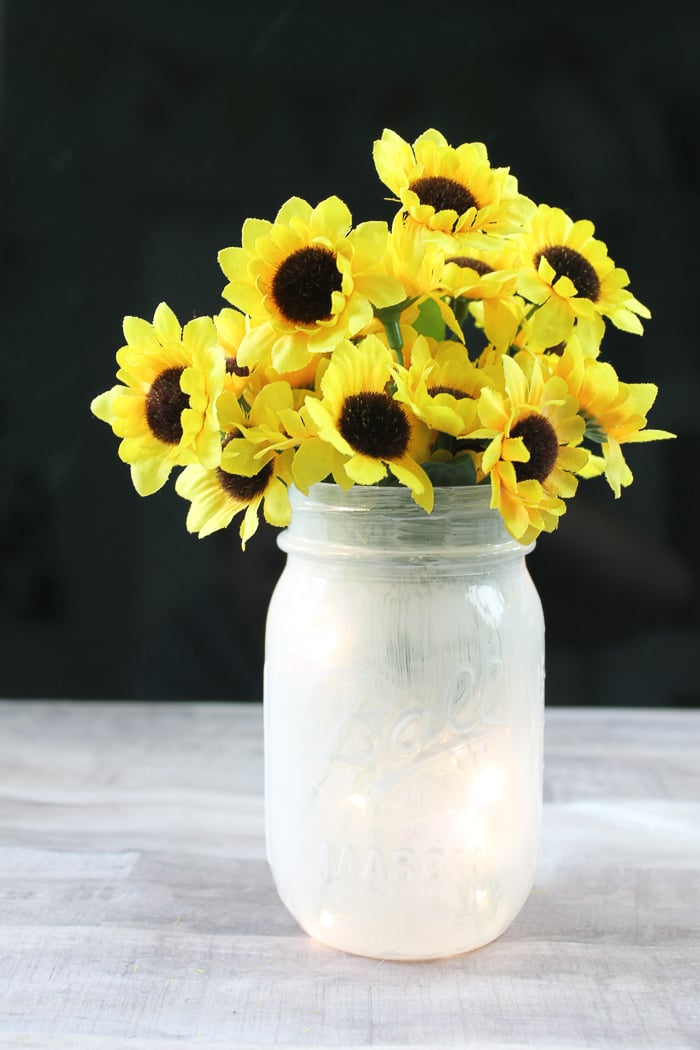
(361, 419)
(217, 496)
(614, 413)
(441, 386)
(307, 281)
(453, 191)
(534, 431)
(568, 276)
(462, 346)
(231, 326)
(165, 408)
(484, 281)
(417, 260)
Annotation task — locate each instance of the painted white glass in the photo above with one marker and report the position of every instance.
(404, 681)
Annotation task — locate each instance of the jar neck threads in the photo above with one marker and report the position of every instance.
(368, 523)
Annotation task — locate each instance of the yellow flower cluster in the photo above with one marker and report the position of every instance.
(460, 346)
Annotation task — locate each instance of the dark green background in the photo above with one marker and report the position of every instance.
(137, 137)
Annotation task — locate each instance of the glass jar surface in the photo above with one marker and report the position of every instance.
(403, 705)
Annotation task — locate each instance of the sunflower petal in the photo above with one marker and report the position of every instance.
(166, 325)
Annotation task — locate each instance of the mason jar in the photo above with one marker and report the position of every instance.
(403, 707)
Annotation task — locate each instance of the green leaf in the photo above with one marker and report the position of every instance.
(429, 321)
(594, 431)
(456, 472)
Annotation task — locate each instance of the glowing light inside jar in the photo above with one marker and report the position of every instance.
(482, 898)
(487, 786)
(327, 641)
(326, 918)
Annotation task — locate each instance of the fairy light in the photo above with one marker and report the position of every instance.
(488, 785)
(327, 918)
(326, 635)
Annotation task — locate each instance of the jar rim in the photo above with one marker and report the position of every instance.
(368, 523)
(380, 497)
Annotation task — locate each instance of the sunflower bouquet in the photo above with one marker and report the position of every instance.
(461, 346)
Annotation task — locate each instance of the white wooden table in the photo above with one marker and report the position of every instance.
(137, 909)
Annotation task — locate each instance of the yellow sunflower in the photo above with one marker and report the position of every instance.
(485, 281)
(450, 190)
(441, 386)
(587, 340)
(569, 276)
(306, 281)
(258, 424)
(245, 382)
(165, 411)
(417, 261)
(217, 496)
(231, 327)
(533, 429)
(361, 419)
(614, 413)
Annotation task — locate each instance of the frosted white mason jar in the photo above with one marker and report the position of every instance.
(404, 681)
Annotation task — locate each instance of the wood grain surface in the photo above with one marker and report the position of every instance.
(137, 909)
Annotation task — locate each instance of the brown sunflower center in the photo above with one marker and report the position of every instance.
(244, 489)
(165, 402)
(234, 369)
(567, 262)
(375, 425)
(468, 263)
(304, 283)
(540, 440)
(443, 194)
(459, 394)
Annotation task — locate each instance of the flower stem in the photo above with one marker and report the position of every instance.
(393, 334)
(390, 317)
